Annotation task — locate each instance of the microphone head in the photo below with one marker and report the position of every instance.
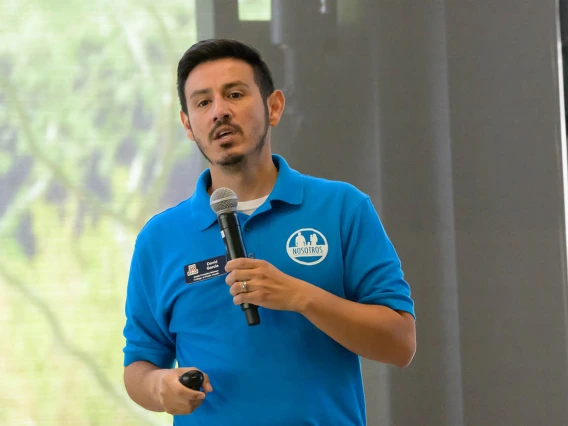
(223, 200)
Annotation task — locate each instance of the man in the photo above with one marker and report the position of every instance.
(322, 305)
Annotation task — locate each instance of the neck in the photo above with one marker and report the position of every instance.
(254, 179)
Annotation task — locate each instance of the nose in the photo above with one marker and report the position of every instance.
(221, 110)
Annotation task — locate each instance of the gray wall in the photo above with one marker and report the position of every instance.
(510, 229)
(448, 114)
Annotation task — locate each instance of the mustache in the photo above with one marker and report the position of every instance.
(224, 122)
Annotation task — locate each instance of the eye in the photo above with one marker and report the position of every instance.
(202, 103)
(235, 95)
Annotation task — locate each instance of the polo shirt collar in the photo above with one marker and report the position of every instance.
(288, 189)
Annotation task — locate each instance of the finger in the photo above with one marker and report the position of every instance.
(194, 405)
(242, 263)
(237, 288)
(184, 407)
(179, 410)
(190, 394)
(247, 297)
(239, 275)
(206, 384)
(181, 391)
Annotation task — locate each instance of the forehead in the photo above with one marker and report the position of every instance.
(213, 74)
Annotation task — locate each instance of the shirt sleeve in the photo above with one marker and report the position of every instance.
(146, 338)
(372, 269)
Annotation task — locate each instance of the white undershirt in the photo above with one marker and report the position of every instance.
(248, 207)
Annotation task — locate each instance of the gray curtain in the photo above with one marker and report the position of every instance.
(448, 113)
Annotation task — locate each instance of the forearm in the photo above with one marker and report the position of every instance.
(139, 380)
(371, 331)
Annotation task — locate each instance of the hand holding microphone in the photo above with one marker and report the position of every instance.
(224, 203)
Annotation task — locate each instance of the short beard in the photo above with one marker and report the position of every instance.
(233, 163)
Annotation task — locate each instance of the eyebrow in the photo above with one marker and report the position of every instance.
(225, 87)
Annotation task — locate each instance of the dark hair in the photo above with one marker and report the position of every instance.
(210, 50)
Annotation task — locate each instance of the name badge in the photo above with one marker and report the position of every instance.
(206, 269)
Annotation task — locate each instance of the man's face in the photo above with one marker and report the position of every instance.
(227, 117)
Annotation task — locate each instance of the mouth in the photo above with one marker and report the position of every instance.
(223, 133)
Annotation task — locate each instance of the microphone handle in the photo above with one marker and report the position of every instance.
(233, 239)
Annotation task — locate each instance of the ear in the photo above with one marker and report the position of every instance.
(276, 103)
(186, 125)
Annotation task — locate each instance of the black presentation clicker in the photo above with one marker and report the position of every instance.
(192, 379)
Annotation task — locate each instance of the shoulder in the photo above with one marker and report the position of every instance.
(336, 193)
(164, 224)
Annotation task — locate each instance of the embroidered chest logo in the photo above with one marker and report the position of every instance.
(307, 246)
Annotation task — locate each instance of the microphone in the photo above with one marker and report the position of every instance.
(224, 203)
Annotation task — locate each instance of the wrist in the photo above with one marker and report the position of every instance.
(153, 384)
(305, 297)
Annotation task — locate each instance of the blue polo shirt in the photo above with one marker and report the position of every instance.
(284, 371)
